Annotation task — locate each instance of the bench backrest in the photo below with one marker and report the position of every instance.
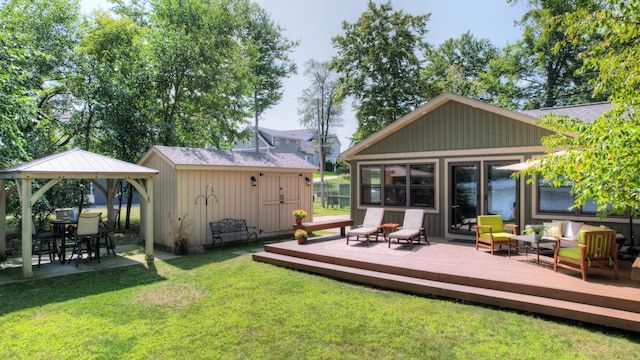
(228, 226)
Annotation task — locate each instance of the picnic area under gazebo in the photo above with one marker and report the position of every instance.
(72, 164)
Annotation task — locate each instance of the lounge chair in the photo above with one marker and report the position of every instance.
(412, 227)
(370, 226)
(596, 248)
(491, 231)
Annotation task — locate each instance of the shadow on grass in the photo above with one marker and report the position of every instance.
(28, 294)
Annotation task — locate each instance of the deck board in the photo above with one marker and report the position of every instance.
(514, 282)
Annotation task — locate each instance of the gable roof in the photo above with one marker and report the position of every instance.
(77, 163)
(428, 107)
(585, 112)
(196, 158)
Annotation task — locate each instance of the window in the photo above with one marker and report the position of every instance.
(398, 185)
(286, 141)
(247, 143)
(559, 200)
(276, 141)
(370, 182)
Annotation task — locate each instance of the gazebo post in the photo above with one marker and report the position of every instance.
(27, 267)
(148, 221)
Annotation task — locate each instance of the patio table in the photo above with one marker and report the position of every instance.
(61, 225)
(387, 229)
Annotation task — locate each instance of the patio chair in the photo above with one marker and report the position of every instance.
(370, 226)
(598, 248)
(41, 237)
(490, 231)
(87, 232)
(412, 228)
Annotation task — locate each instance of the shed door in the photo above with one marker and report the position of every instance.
(280, 195)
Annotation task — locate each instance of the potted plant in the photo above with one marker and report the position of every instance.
(301, 235)
(536, 230)
(299, 214)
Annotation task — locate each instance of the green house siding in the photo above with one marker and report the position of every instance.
(455, 126)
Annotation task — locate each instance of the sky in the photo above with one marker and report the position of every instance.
(314, 22)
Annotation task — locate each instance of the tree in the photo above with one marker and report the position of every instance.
(320, 108)
(268, 52)
(602, 158)
(546, 74)
(458, 65)
(46, 33)
(201, 74)
(379, 61)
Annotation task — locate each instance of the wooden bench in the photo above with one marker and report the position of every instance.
(323, 225)
(232, 228)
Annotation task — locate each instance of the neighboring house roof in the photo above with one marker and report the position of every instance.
(298, 134)
(585, 112)
(77, 163)
(428, 107)
(191, 158)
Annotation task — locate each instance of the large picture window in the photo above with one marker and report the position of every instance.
(402, 185)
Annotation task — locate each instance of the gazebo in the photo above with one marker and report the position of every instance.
(73, 164)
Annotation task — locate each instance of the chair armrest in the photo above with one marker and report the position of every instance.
(478, 227)
(514, 228)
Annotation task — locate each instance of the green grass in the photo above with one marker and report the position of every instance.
(318, 210)
(221, 305)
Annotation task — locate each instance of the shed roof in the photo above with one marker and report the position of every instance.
(77, 163)
(182, 157)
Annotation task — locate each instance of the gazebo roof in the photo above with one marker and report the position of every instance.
(76, 164)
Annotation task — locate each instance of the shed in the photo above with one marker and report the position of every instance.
(71, 164)
(445, 157)
(209, 185)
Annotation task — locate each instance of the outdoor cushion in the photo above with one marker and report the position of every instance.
(498, 236)
(363, 231)
(572, 230)
(404, 234)
(584, 229)
(573, 253)
(553, 229)
(495, 221)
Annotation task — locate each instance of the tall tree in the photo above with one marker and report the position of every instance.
(49, 30)
(380, 60)
(320, 109)
(201, 73)
(458, 65)
(268, 51)
(603, 157)
(549, 77)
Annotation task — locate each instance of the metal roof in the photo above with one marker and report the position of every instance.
(181, 156)
(77, 163)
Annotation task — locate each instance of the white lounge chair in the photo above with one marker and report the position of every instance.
(412, 227)
(370, 226)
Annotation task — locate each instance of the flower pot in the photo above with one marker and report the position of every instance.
(301, 240)
(298, 221)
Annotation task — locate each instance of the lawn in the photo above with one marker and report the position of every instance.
(221, 304)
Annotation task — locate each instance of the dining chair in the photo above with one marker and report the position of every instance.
(42, 236)
(86, 232)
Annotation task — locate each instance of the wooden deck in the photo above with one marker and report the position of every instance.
(455, 269)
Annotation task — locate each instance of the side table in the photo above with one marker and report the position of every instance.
(387, 229)
(531, 240)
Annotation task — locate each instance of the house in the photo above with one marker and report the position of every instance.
(444, 156)
(300, 142)
(199, 186)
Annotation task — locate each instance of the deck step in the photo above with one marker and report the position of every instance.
(530, 303)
